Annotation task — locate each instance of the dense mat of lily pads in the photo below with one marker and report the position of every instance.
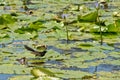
(82, 39)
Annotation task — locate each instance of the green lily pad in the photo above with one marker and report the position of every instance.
(42, 73)
(109, 75)
(69, 73)
(85, 45)
(90, 17)
(14, 69)
(115, 54)
(24, 77)
(114, 62)
(6, 19)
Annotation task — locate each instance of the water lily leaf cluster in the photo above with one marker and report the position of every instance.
(70, 31)
(6, 19)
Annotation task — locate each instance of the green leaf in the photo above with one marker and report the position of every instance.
(112, 28)
(1, 20)
(86, 45)
(39, 72)
(25, 36)
(19, 77)
(53, 25)
(115, 54)
(14, 69)
(115, 27)
(36, 25)
(6, 40)
(70, 74)
(108, 75)
(90, 17)
(7, 19)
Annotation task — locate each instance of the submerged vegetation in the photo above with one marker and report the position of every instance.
(68, 39)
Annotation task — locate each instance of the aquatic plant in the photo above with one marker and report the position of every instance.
(97, 6)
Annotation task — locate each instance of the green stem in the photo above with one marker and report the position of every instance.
(67, 34)
(101, 37)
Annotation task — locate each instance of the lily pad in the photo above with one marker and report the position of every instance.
(25, 77)
(14, 69)
(90, 17)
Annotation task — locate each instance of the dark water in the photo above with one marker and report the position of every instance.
(101, 67)
(61, 51)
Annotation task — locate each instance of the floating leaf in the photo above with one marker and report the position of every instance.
(51, 54)
(53, 25)
(41, 72)
(36, 25)
(90, 17)
(86, 45)
(70, 74)
(24, 77)
(108, 75)
(6, 40)
(25, 36)
(14, 69)
(6, 19)
(112, 28)
(115, 54)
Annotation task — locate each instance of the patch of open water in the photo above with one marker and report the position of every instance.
(6, 76)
